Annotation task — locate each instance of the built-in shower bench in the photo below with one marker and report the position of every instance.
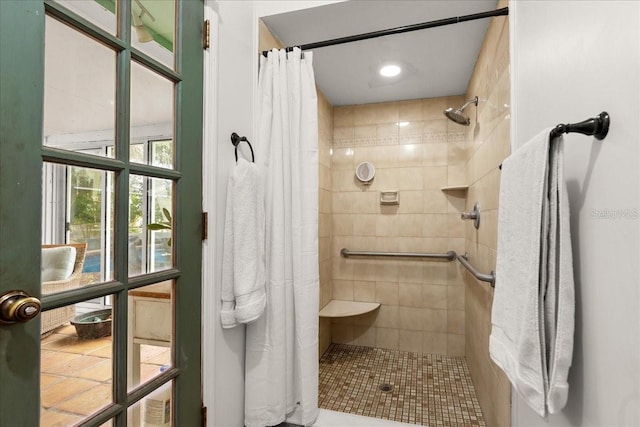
(340, 308)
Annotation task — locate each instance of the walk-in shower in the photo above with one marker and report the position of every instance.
(457, 115)
(405, 361)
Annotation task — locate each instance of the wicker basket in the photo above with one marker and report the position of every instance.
(52, 319)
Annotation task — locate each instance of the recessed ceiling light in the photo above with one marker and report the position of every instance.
(402, 124)
(390, 70)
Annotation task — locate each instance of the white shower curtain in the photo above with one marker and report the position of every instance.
(281, 365)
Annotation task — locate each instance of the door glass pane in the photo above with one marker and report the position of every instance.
(150, 331)
(162, 153)
(161, 235)
(151, 113)
(77, 227)
(154, 410)
(150, 225)
(79, 90)
(159, 153)
(153, 29)
(136, 153)
(157, 406)
(76, 364)
(100, 12)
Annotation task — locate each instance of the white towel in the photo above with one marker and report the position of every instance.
(243, 261)
(532, 315)
(560, 298)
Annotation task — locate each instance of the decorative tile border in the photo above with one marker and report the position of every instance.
(457, 135)
(426, 389)
(431, 137)
(365, 142)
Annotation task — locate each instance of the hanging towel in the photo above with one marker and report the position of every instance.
(243, 261)
(560, 297)
(532, 315)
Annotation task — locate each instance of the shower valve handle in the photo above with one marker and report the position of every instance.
(474, 215)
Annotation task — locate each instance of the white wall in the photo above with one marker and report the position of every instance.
(228, 108)
(231, 90)
(571, 60)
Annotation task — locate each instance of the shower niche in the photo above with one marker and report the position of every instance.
(461, 187)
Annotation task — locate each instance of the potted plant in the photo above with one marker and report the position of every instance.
(162, 225)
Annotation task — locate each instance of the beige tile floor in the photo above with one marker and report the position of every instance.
(425, 389)
(75, 375)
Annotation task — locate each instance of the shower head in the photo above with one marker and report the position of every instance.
(457, 115)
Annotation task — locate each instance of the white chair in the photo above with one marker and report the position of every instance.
(52, 319)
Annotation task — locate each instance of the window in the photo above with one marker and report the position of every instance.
(87, 214)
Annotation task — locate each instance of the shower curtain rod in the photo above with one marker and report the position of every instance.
(399, 30)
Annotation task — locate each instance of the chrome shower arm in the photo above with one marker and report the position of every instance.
(471, 101)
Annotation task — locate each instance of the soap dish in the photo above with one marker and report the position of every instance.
(389, 198)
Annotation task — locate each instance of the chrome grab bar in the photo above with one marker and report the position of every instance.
(490, 278)
(449, 256)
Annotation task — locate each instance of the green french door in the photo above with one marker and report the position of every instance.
(100, 212)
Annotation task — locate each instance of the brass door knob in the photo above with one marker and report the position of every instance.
(18, 306)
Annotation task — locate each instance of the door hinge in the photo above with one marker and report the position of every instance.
(203, 410)
(205, 225)
(206, 42)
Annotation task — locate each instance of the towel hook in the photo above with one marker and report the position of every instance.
(236, 140)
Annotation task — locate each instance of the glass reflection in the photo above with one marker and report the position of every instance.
(153, 410)
(77, 227)
(79, 91)
(99, 12)
(151, 117)
(153, 29)
(76, 365)
(150, 331)
(162, 153)
(150, 224)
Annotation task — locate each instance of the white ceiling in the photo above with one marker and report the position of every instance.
(436, 61)
(80, 73)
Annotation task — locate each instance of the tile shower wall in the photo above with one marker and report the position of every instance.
(325, 136)
(416, 151)
(488, 147)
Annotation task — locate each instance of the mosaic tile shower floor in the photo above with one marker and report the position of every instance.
(430, 390)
